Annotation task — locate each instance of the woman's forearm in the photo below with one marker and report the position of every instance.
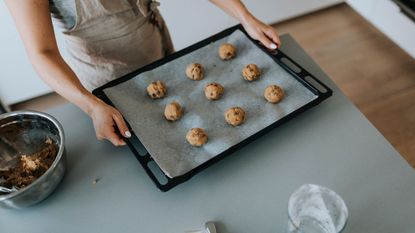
(32, 18)
(234, 8)
(33, 21)
(59, 76)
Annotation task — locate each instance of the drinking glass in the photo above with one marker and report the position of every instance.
(316, 209)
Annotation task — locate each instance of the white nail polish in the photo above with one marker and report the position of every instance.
(127, 134)
(273, 46)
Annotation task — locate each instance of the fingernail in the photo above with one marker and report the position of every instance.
(127, 134)
(273, 46)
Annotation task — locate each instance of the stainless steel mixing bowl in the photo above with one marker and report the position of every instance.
(25, 132)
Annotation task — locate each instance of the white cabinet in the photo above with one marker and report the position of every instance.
(387, 17)
(365, 8)
(397, 26)
(189, 21)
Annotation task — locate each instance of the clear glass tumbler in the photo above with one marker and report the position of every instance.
(316, 209)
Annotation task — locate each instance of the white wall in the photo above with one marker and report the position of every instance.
(189, 21)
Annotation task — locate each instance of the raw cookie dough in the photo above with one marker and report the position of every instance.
(274, 94)
(195, 71)
(214, 91)
(157, 90)
(196, 137)
(173, 111)
(235, 116)
(251, 72)
(227, 51)
(30, 167)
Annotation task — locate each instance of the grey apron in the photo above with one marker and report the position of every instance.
(114, 37)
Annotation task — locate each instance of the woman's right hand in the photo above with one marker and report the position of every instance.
(106, 119)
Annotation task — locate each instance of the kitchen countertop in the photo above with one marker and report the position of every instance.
(332, 145)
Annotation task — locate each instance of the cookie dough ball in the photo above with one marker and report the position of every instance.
(251, 72)
(214, 91)
(274, 94)
(235, 116)
(173, 111)
(195, 71)
(227, 51)
(196, 137)
(157, 90)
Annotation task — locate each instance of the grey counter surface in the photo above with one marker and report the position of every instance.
(332, 145)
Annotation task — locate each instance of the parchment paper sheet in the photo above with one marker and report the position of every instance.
(166, 142)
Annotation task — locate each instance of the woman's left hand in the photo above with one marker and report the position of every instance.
(262, 32)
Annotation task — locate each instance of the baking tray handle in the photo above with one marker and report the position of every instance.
(162, 181)
(301, 74)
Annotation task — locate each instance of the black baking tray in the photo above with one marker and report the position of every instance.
(165, 183)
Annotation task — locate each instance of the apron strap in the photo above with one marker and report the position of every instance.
(146, 7)
(133, 4)
(149, 9)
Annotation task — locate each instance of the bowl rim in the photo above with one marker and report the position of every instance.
(58, 156)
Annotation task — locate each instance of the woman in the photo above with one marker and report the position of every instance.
(105, 39)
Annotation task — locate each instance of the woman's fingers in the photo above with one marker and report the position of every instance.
(266, 41)
(273, 35)
(108, 132)
(114, 138)
(100, 136)
(105, 119)
(265, 33)
(122, 126)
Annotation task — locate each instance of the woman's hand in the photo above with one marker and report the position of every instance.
(262, 32)
(105, 119)
(258, 30)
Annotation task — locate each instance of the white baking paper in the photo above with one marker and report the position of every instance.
(166, 141)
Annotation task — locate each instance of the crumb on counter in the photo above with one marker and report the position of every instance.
(95, 181)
